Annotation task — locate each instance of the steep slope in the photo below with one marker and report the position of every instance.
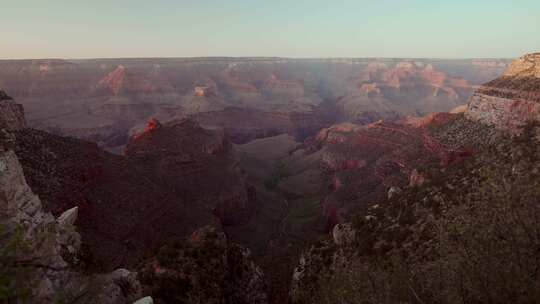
(466, 233)
(359, 164)
(145, 207)
(174, 179)
(38, 252)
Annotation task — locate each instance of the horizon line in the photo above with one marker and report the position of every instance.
(257, 57)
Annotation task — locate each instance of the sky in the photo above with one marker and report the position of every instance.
(282, 28)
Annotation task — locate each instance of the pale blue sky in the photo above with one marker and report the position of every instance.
(287, 28)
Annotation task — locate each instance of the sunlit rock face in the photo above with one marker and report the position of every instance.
(511, 100)
(526, 66)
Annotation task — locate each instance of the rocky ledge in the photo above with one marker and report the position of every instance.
(511, 100)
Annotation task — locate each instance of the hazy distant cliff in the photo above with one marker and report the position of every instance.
(102, 99)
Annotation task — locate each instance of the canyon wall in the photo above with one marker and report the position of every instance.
(510, 101)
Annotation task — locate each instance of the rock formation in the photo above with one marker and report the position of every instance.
(511, 100)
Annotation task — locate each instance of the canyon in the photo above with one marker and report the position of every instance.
(264, 179)
(103, 100)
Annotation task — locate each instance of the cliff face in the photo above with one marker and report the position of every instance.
(40, 253)
(526, 66)
(363, 162)
(511, 100)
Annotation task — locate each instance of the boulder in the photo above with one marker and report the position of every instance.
(394, 191)
(68, 217)
(145, 300)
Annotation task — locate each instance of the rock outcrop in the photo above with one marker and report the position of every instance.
(526, 66)
(40, 254)
(511, 100)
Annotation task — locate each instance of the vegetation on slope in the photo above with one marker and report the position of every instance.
(471, 234)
